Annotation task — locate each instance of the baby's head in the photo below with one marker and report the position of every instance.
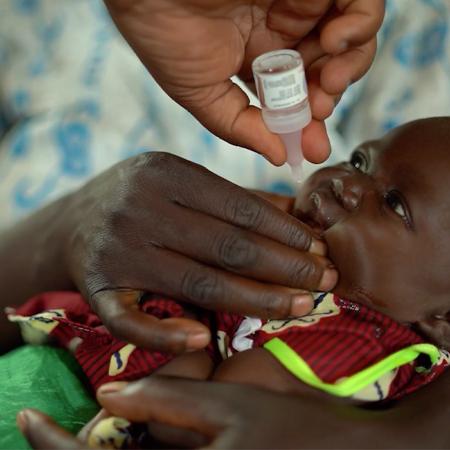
(385, 216)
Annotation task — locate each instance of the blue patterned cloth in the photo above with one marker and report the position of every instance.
(74, 100)
(409, 78)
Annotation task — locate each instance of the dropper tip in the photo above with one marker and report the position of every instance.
(297, 173)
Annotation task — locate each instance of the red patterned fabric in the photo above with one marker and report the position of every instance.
(337, 339)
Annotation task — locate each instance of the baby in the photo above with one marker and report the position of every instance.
(382, 333)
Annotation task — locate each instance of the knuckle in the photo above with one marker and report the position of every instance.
(159, 341)
(247, 213)
(118, 220)
(113, 322)
(236, 251)
(147, 167)
(275, 305)
(167, 174)
(95, 280)
(97, 271)
(135, 222)
(200, 285)
(156, 160)
(303, 273)
(125, 228)
(297, 237)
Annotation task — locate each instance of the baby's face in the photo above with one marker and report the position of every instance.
(385, 216)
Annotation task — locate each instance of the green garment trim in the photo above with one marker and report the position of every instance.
(354, 383)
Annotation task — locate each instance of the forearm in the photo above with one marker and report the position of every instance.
(341, 424)
(31, 261)
(32, 255)
(418, 421)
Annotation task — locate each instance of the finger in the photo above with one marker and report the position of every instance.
(357, 24)
(225, 110)
(295, 19)
(348, 67)
(240, 251)
(170, 401)
(316, 145)
(175, 437)
(311, 49)
(84, 433)
(43, 433)
(206, 287)
(283, 202)
(119, 311)
(219, 411)
(322, 103)
(230, 203)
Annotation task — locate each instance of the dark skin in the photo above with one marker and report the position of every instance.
(86, 240)
(385, 219)
(232, 416)
(375, 198)
(217, 237)
(384, 216)
(193, 47)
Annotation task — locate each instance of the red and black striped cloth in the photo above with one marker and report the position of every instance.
(337, 339)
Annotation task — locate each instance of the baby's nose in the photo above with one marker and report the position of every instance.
(348, 196)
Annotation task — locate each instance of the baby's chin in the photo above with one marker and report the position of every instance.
(340, 254)
(349, 285)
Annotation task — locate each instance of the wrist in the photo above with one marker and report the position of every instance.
(48, 269)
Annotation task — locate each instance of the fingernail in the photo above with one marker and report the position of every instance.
(22, 420)
(112, 388)
(329, 279)
(318, 247)
(197, 340)
(301, 304)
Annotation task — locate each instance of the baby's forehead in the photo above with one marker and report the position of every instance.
(423, 145)
(415, 160)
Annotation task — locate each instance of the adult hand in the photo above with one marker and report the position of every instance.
(193, 47)
(237, 416)
(158, 223)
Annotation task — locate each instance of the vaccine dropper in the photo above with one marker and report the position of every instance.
(281, 88)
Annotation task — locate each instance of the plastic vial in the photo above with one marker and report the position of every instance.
(281, 87)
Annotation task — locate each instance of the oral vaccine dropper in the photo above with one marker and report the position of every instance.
(281, 88)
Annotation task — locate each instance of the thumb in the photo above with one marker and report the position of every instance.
(43, 433)
(119, 311)
(171, 401)
(227, 113)
(225, 110)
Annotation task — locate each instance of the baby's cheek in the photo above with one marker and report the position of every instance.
(368, 264)
(351, 253)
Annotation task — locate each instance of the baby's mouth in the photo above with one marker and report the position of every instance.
(323, 210)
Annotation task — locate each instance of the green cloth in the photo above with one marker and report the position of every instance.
(44, 378)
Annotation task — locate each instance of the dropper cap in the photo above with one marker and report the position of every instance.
(282, 90)
(293, 145)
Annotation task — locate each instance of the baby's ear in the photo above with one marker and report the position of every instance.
(437, 329)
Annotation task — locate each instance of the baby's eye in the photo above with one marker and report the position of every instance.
(359, 161)
(395, 202)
